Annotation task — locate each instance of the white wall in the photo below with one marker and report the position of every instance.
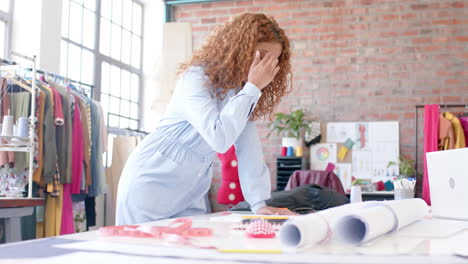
(36, 31)
(152, 48)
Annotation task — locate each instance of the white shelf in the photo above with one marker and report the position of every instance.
(16, 148)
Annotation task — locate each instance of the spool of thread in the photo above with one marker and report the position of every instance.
(284, 151)
(7, 127)
(299, 152)
(22, 127)
(290, 152)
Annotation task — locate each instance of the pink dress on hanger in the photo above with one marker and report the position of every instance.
(77, 150)
(431, 136)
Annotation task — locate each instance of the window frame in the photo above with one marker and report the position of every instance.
(100, 58)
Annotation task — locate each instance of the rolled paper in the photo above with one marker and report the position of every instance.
(7, 127)
(22, 127)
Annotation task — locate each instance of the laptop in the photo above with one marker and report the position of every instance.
(448, 183)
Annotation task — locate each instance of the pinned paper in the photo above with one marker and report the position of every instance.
(349, 143)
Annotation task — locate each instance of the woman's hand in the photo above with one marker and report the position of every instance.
(262, 71)
(267, 210)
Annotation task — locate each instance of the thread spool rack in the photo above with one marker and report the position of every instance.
(24, 144)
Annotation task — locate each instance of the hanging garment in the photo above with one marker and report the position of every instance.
(121, 149)
(98, 174)
(58, 107)
(53, 214)
(20, 104)
(460, 141)
(77, 149)
(37, 175)
(446, 133)
(68, 225)
(464, 124)
(50, 146)
(90, 209)
(79, 216)
(5, 156)
(431, 137)
(169, 173)
(86, 143)
(64, 136)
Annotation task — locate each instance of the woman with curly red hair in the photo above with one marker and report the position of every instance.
(238, 76)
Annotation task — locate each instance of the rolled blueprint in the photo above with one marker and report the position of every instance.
(381, 218)
(352, 223)
(311, 229)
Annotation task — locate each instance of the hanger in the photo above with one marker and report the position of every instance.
(465, 114)
(15, 81)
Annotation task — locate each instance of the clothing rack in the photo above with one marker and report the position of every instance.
(91, 87)
(417, 112)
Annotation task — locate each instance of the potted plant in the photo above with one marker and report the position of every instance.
(290, 127)
(405, 166)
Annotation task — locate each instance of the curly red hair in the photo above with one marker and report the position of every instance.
(228, 52)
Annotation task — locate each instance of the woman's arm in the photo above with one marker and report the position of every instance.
(254, 175)
(220, 129)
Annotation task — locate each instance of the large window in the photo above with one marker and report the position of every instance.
(6, 18)
(102, 46)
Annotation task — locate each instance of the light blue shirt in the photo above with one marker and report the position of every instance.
(170, 171)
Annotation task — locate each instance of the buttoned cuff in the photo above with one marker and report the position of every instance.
(252, 90)
(254, 208)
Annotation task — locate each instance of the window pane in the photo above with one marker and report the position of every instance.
(76, 15)
(5, 5)
(78, 1)
(65, 17)
(116, 41)
(135, 87)
(133, 124)
(90, 4)
(105, 37)
(126, 46)
(106, 8)
(87, 67)
(124, 108)
(89, 26)
(127, 14)
(124, 123)
(136, 48)
(115, 81)
(117, 12)
(134, 111)
(74, 62)
(63, 58)
(125, 85)
(2, 39)
(113, 121)
(114, 105)
(105, 78)
(137, 16)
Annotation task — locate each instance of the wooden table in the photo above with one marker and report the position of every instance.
(12, 209)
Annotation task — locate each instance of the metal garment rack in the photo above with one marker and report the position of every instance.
(444, 106)
(30, 146)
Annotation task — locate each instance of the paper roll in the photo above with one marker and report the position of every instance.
(378, 219)
(352, 223)
(309, 230)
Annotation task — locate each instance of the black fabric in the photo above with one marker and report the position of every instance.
(90, 209)
(308, 197)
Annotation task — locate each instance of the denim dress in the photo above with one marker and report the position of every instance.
(170, 171)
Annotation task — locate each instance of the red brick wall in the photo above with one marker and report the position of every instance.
(360, 59)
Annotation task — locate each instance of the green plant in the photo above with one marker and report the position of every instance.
(405, 165)
(289, 125)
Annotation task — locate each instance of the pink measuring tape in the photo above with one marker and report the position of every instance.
(181, 227)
